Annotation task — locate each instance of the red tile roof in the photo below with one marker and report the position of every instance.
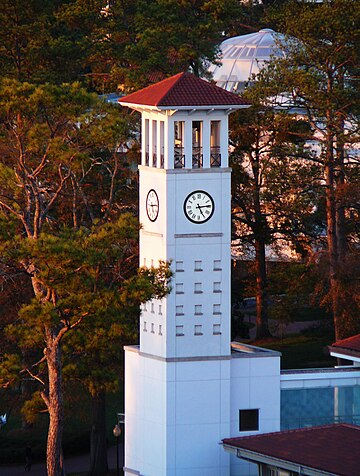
(351, 343)
(183, 89)
(331, 448)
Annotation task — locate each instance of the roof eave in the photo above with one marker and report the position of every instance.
(341, 352)
(221, 107)
(255, 457)
(139, 107)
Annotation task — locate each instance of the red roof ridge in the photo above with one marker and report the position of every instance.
(176, 79)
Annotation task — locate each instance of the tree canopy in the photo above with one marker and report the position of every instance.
(318, 74)
(59, 151)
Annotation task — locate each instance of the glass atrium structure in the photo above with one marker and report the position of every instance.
(245, 55)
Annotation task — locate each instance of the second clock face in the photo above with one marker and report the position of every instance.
(152, 205)
(199, 206)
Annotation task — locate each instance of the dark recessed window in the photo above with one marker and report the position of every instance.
(249, 420)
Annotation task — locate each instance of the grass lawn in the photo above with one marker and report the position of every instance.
(302, 351)
(309, 314)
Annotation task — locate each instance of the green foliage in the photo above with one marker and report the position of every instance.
(172, 36)
(59, 142)
(33, 407)
(88, 277)
(10, 366)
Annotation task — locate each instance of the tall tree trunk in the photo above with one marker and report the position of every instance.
(98, 450)
(260, 231)
(56, 408)
(262, 323)
(340, 182)
(332, 235)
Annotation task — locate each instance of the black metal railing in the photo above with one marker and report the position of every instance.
(215, 157)
(197, 158)
(179, 158)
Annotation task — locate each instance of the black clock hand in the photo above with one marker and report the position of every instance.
(204, 206)
(199, 207)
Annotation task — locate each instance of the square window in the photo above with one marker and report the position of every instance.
(217, 287)
(179, 310)
(198, 330)
(216, 309)
(179, 266)
(198, 288)
(217, 264)
(152, 329)
(216, 329)
(249, 420)
(179, 288)
(198, 266)
(179, 330)
(198, 310)
(144, 328)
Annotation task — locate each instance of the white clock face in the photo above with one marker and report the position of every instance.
(199, 206)
(152, 205)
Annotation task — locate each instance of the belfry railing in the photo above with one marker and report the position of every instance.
(215, 156)
(179, 158)
(197, 158)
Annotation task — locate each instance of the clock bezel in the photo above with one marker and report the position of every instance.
(158, 205)
(212, 211)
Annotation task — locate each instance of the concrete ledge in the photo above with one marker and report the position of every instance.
(136, 349)
(238, 350)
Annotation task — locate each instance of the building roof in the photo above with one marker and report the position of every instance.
(351, 343)
(349, 347)
(245, 55)
(183, 90)
(332, 449)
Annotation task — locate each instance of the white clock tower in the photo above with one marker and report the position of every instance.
(177, 381)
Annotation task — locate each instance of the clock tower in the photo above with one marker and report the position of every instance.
(177, 381)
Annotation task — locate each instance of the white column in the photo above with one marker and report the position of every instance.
(188, 143)
(158, 143)
(162, 139)
(143, 139)
(169, 143)
(206, 142)
(224, 142)
(151, 142)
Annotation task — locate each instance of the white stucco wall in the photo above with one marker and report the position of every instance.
(174, 238)
(176, 414)
(255, 384)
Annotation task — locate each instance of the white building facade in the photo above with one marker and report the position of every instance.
(186, 388)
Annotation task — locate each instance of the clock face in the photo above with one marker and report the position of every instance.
(152, 205)
(199, 206)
